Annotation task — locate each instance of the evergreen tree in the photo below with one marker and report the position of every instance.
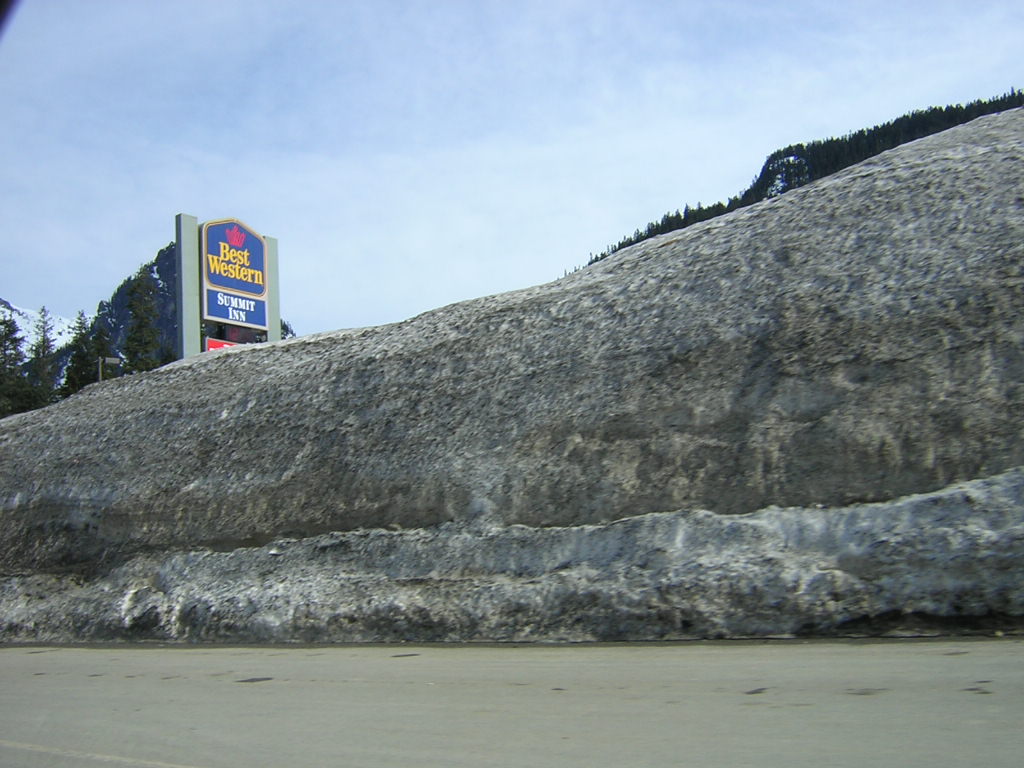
(81, 368)
(11, 356)
(142, 342)
(42, 373)
(15, 391)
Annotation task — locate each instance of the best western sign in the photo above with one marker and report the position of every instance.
(234, 265)
(228, 289)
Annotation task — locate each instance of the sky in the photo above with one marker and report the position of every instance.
(409, 154)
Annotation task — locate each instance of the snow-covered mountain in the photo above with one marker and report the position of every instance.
(63, 327)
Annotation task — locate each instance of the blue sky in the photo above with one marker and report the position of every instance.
(411, 154)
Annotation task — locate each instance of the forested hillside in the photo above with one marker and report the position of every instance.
(799, 164)
(137, 325)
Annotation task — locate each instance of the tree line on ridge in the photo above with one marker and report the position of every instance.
(799, 164)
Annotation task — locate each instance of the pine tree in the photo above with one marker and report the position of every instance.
(142, 342)
(11, 356)
(81, 368)
(15, 391)
(42, 373)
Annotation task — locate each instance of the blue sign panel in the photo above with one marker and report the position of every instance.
(235, 310)
(234, 274)
(234, 258)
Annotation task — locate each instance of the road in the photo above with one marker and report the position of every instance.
(727, 705)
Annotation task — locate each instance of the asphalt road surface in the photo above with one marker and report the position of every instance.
(728, 705)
